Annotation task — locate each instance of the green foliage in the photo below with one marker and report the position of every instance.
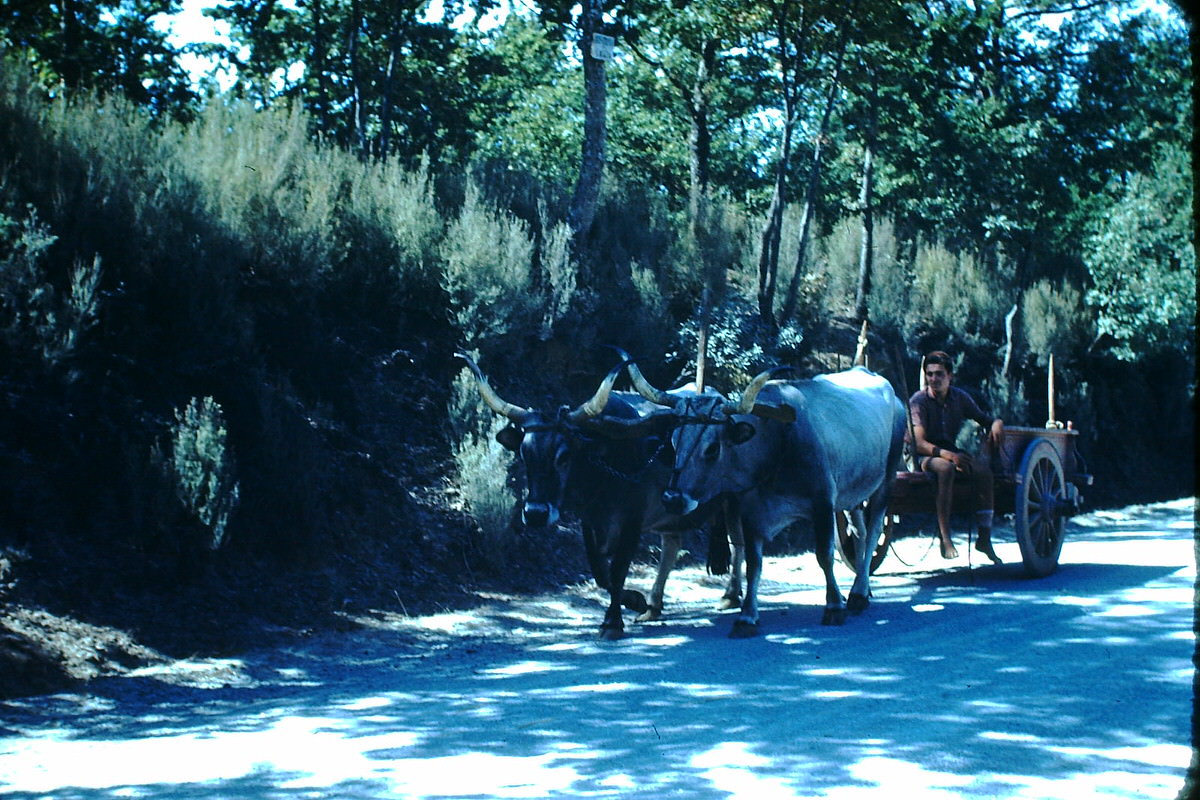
(37, 317)
(488, 264)
(204, 467)
(559, 271)
(834, 274)
(957, 291)
(1142, 261)
(108, 46)
(482, 466)
(1055, 322)
(740, 345)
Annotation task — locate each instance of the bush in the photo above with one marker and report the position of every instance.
(740, 345)
(203, 466)
(956, 291)
(39, 320)
(1055, 322)
(488, 258)
(482, 467)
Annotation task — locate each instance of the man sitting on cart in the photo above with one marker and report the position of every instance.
(938, 412)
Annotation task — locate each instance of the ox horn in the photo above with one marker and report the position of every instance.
(513, 413)
(746, 404)
(643, 386)
(599, 400)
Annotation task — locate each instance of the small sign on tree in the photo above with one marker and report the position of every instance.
(602, 47)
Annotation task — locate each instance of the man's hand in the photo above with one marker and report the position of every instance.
(996, 433)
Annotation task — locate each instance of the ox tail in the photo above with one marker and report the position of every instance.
(718, 551)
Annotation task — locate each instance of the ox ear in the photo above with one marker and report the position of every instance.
(510, 437)
(784, 413)
(741, 432)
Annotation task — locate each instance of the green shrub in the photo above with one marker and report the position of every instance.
(39, 319)
(487, 258)
(1055, 321)
(482, 468)
(740, 345)
(558, 270)
(955, 290)
(203, 466)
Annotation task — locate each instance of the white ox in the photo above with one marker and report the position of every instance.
(790, 450)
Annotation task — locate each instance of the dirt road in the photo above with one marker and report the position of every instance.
(957, 682)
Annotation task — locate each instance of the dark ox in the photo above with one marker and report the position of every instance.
(790, 450)
(612, 484)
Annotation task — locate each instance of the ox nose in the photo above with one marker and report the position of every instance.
(539, 515)
(674, 501)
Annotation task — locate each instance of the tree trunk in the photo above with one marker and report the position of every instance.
(72, 62)
(700, 138)
(357, 110)
(768, 258)
(385, 109)
(591, 167)
(866, 198)
(814, 181)
(320, 58)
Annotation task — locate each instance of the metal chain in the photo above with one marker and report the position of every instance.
(632, 477)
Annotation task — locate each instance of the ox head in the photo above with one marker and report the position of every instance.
(709, 436)
(545, 442)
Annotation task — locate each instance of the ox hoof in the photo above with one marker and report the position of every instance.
(834, 616)
(728, 603)
(651, 614)
(743, 630)
(635, 601)
(857, 603)
(611, 634)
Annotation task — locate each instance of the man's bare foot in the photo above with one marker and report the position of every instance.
(985, 546)
(949, 550)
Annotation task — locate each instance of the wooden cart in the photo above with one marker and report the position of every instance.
(1037, 476)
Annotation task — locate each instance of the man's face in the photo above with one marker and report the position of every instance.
(937, 378)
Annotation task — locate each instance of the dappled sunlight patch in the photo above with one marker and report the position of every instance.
(476, 774)
(367, 703)
(790, 641)
(1006, 736)
(1128, 610)
(700, 691)
(1126, 785)
(318, 750)
(917, 780)
(993, 707)
(735, 768)
(1071, 600)
(523, 668)
(925, 608)
(1152, 755)
(599, 688)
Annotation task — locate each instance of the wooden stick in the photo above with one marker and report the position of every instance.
(1051, 422)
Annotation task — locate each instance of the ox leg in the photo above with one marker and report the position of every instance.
(733, 590)
(613, 626)
(835, 606)
(746, 625)
(666, 563)
(869, 527)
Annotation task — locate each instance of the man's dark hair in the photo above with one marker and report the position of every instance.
(939, 357)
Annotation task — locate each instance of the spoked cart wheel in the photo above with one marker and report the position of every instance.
(1043, 503)
(848, 541)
